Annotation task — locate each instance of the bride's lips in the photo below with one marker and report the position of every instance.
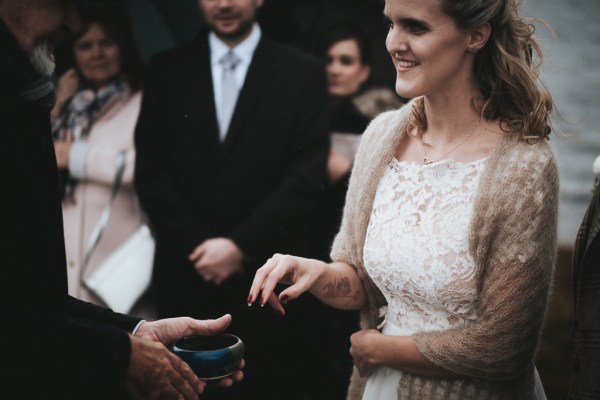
(405, 65)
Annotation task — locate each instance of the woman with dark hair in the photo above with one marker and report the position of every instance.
(354, 103)
(448, 239)
(98, 101)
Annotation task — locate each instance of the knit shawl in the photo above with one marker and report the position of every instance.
(513, 243)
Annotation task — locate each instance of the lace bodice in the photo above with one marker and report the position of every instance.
(416, 248)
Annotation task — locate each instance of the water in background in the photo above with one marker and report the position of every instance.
(572, 73)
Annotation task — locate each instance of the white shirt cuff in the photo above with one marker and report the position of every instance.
(77, 157)
(137, 327)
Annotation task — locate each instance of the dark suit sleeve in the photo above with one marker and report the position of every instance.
(80, 340)
(96, 314)
(56, 346)
(290, 204)
(160, 198)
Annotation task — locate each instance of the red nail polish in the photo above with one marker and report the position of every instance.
(284, 297)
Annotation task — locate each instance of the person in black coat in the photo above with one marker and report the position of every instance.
(54, 346)
(222, 200)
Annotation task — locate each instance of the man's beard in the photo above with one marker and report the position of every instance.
(42, 58)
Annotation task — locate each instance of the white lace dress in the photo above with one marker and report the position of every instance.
(416, 252)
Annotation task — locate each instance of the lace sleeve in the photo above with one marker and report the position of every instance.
(514, 245)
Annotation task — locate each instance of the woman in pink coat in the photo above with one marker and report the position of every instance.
(98, 102)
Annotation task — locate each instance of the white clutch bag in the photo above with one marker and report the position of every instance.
(123, 277)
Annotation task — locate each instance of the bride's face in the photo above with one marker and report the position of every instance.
(428, 49)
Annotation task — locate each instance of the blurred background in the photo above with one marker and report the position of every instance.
(571, 72)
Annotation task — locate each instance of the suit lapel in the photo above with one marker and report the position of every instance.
(195, 100)
(202, 91)
(257, 79)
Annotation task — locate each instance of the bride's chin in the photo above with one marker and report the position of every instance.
(403, 91)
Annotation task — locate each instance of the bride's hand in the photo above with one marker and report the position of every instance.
(300, 273)
(363, 344)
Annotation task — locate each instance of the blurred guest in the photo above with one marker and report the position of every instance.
(231, 153)
(97, 106)
(586, 296)
(353, 103)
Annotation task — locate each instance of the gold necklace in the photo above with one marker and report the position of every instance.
(427, 160)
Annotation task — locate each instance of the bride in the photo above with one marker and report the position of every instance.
(449, 233)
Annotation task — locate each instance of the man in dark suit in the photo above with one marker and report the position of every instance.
(225, 192)
(585, 383)
(54, 346)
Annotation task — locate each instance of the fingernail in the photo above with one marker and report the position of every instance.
(249, 300)
(262, 301)
(281, 313)
(284, 297)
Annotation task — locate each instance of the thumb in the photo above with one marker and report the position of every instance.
(197, 253)
(191, 327)
(213, 326)
(169, 330)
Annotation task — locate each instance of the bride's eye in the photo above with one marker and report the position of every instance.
(388, 23)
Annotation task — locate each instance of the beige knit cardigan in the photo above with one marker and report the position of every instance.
(513, 243)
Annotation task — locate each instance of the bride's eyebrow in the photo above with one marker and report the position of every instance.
(404, 21)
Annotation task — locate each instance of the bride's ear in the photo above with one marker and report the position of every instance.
(479, 37)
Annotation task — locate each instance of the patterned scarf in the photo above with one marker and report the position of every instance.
(84, 108)
(78, 117)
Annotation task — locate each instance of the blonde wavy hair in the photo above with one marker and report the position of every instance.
(506, 68)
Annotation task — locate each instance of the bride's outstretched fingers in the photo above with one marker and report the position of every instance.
(276, 304)
(269, 275)
(259, 280)
(298, 272)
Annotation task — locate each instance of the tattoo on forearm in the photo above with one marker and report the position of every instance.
(341, 288)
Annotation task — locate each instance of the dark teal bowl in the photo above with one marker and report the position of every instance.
(211, 357)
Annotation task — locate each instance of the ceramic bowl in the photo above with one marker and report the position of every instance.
(211, 357)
